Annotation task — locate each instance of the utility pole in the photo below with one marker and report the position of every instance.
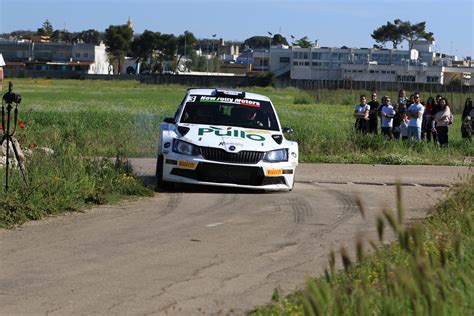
(185, 32)
(269, 50)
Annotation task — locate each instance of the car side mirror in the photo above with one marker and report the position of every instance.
(169, 120)
(287, 130)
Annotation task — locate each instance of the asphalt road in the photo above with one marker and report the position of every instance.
(202, 250)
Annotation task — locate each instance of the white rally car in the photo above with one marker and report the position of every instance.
(226, 138)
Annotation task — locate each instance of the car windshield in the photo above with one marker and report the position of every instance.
(229, 111)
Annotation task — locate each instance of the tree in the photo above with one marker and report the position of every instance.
(257, 42)
(117, 41)
(399, 30)
(166, 51)
(303, 42)
(413, 32)
(187, 40)
(278, 39)
(144, 46)
(389, 33)
(90, 36)
(46, 29)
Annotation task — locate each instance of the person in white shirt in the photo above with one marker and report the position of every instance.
(361, 113)
(404, 127)
(415, 112)
(387, 114)
(441, 122)
(2, 63)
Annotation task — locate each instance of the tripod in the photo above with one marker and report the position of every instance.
(8, 99)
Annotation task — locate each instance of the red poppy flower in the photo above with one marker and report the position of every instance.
(21, 124)
(31, 146)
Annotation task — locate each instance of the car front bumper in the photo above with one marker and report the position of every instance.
(263, 176)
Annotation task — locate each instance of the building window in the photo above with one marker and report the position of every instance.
(86, 55)
(78, 55)
(284, 59)
(295, 63)
(406, 78)
(316, 55)
(432, 79)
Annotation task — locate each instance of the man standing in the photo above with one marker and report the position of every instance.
(373, 114)
(387, 114)
(415, 112)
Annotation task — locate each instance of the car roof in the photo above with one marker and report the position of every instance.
(212, 92)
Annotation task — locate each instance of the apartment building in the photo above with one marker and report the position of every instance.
(420, 64)
(82, 57)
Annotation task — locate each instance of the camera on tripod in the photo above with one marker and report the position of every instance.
(11, 97)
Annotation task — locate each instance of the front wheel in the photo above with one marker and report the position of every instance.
(160, 183)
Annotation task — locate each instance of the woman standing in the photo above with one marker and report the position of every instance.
(441, 122)
(467, 120)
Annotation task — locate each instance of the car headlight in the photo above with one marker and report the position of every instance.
(184, 148)
(276, 155)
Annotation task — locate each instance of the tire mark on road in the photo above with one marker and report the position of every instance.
(349, 209)
(302, 211)
(224, 200)
(174, 200)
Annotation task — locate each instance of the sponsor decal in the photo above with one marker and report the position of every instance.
(274, 172)
(257, 131)
(187, 164)
(206, 99)
(231, 133)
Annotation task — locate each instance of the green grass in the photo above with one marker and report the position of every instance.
(428, 271)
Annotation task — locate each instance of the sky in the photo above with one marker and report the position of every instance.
(334, 23)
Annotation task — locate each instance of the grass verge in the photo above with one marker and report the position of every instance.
(428, 271)
(67, 180)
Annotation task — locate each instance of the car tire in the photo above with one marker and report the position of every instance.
(160, 183)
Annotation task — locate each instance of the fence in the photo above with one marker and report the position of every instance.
(432, 88)
(456, 93)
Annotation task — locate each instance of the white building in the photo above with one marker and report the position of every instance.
(63, 57)
(419, 64)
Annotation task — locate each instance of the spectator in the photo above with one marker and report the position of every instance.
(436, 105)
(400, 107)
(467, 120)
(402, 99)
(426, 123)
(373, 114)
(397, 119)
(361, 113)
(415, 112)
(387, 114)
(2, 63)
(441, 122)
(404, 127)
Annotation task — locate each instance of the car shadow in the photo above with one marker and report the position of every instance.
(150, 181)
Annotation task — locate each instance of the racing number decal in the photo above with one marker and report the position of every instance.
(274, 172)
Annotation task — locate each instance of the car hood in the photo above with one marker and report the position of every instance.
(231, 138)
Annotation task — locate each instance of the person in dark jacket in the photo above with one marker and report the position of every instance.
(467, 126)
(373, 114)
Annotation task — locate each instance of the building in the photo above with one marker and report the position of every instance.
(420, 64)
(65, 57)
